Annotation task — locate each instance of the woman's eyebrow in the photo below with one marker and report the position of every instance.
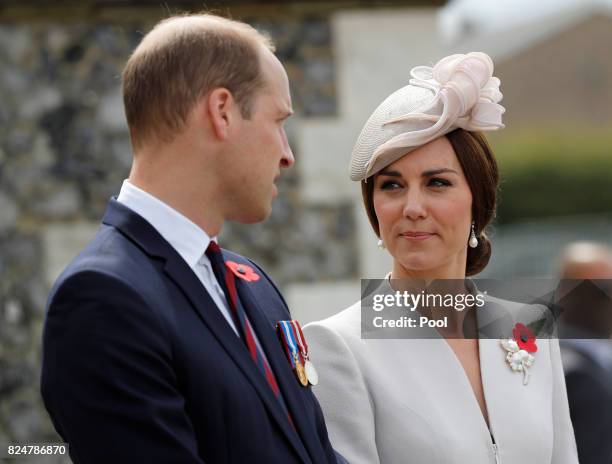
(433, 172)
(390, 173)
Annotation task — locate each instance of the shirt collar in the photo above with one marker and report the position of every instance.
(188, 239)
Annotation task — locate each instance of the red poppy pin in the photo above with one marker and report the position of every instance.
(243, 271)
(519, 350)
(525, 338)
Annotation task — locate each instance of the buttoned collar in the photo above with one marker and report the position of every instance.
(188, 239)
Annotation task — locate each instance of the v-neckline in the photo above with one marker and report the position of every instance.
(466, 379)
(486, 426)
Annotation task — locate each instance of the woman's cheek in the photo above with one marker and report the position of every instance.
(385, 212)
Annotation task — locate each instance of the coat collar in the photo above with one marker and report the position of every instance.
(151, 242)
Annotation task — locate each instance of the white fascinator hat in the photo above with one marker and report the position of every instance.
(458, 92)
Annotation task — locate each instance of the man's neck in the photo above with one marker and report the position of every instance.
(188, 201)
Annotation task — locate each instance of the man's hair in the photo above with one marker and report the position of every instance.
(182, 59)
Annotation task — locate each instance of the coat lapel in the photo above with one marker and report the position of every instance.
(140, 231)
(280, 365)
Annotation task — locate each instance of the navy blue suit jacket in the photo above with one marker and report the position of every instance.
(139, 365)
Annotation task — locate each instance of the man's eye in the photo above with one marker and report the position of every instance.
(438, 182)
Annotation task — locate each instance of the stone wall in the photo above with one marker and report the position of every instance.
(64, 150)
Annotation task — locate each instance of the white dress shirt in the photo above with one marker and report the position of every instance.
(188, 239)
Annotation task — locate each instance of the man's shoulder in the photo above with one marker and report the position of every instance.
(263, 288)
(110, 254)
(263, 277)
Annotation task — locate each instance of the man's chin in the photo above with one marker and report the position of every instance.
(253, 215)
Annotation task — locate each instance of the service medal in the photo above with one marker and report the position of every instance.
(311, 372)
(300, 372)
(289, 340)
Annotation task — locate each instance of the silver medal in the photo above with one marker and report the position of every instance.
(311, 373)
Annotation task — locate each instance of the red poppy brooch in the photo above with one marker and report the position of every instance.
(519, 350)
(243, 271)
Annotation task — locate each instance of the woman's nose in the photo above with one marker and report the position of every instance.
(414, 207)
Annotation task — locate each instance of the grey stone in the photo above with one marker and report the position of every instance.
(14, 81)
(18, 142)
(64, 148)
(22, 180)
(25, 421)
(42, 154)
(58, 201)
(318, 105)
(17, 41)
(121, 151)
(13, 312)
(14, 376)
(56, 39)
(61, 242)
(319, 71)
(316, 31)
(111, 114)
(15, 338)
(39, 100)
(8, 213)
(33, 294)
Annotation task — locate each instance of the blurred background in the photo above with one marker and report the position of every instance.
(64, 145)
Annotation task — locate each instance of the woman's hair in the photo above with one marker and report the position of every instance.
(480, 170)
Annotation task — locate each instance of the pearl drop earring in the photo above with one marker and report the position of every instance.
(473, 242)
(381, 244)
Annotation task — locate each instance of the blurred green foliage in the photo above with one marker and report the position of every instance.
(550, 173)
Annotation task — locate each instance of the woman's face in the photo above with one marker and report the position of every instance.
(423, 204)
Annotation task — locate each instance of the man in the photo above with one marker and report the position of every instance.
(586, 348)
(158, 346)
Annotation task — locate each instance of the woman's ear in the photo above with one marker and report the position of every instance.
(220, 105)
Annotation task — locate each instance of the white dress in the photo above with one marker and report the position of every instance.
(410, 401)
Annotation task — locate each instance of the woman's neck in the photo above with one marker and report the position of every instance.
(417, 280)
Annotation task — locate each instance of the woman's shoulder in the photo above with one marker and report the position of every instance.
(504, 314)
(344, 321)
(345, 325)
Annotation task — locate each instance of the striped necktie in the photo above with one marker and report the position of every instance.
(227, 280)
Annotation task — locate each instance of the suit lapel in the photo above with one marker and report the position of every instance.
(184, 277)
(143, 233)
(280, 365)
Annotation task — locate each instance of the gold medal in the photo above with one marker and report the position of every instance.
(299, 371)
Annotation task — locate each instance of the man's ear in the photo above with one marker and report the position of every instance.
(220, 106)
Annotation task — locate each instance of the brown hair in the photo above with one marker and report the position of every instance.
(480, 170)
(182, 59)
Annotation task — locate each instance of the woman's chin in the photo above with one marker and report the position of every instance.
(418, 263)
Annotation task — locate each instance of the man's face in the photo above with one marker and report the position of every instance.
(261, 146)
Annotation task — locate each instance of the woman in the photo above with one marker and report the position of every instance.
(429, 184)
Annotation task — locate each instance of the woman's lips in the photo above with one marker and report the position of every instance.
(416, 236)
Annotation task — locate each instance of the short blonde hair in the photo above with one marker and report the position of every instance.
(182, 59)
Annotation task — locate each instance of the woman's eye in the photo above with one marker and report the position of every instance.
(438, 182)
(389, 185)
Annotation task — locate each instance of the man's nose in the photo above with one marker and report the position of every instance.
(287, 159)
